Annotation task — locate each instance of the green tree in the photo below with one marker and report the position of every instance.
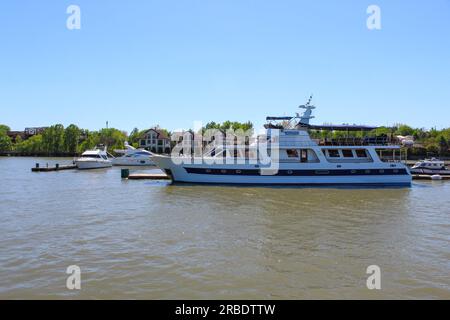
(134, 136)
(212, 125)
(4, 129)
(31, 145)
(443, 144)
(433, 148)
(112, 138)
(419, 134)
(404, 130)
(382, 131)
(18, 139)
(247, 126)
(89, 141)
(53, 139)
(5, 142)
(71, 138)
(227, 125)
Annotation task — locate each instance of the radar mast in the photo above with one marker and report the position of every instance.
(306, 116)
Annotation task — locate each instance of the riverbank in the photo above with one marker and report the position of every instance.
(38, 154)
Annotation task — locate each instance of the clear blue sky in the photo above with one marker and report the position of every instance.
(171, 62)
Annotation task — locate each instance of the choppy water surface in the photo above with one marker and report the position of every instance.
(150, 240)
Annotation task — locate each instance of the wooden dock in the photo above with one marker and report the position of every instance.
(125, 174)
(150, 176)
(57, 167)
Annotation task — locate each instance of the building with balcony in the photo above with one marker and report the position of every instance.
(155, 140)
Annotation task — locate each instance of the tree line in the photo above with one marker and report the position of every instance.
(433, 141)
(57, 139)
(60, 140)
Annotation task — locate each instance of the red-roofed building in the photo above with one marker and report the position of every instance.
(155, 140)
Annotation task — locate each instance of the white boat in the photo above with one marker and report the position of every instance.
(294, 159)
(133, 157)
(431, 166)
(94, 159)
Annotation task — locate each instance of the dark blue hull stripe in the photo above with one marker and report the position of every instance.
(297, 173)
(288, 185)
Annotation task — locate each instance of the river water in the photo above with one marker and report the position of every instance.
(143, 239)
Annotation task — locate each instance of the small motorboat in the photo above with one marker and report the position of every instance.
(94, 159)
(133, 157)
(431, 166)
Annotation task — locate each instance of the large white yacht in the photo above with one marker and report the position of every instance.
(293, 158)
(94, 159)
(133, 157)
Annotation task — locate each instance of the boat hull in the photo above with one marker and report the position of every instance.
(92, 164)
(132, 162)
(286, 175)
(431, 172)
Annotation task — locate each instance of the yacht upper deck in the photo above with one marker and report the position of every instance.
(321, 135)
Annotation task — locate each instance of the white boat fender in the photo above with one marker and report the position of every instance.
(436, 177)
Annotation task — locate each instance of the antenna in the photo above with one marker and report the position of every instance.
(309, 101)
(308, 104)
(304, 119)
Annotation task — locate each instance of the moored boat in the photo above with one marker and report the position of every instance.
(94, 159)
(287, 155)
(431, 166)
(133, 157)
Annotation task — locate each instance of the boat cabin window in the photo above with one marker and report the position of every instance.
(295, 155)
(303, 155)
(361, 153)
(104, 157)
(308, 155)
(347, 153)
(292, 153)
(333, 153)
(90, 156)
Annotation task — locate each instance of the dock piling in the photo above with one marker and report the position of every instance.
(124, 173)
(57, 167)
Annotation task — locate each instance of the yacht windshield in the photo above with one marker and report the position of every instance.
(90, 156)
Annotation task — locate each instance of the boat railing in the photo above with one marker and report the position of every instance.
(294, 145)
(353, 141)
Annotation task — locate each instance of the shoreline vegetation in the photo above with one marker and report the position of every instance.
(57, 141)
